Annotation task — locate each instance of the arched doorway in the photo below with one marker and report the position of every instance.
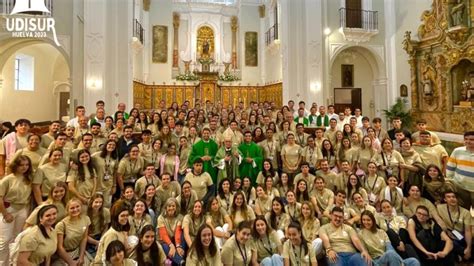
(33, 74)
(358, 79)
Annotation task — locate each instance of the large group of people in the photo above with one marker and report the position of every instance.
(206, 184)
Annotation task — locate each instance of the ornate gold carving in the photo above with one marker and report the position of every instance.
(205, 42)
(176, 19)
(438, 62)
(146, 5)
(233, 23)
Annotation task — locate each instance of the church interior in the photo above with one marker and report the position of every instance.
(227, 51)
(327, 113)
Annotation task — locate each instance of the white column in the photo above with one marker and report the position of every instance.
(380, 100)
(391, 47)
(312, 89)
(95, 13)
(284, 26)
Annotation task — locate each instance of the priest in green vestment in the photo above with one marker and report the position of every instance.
(227, 161)
(253, 158)
(205, 149)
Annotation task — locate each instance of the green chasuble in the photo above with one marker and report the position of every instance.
(202, 148)
(228, 169)
(253, 151)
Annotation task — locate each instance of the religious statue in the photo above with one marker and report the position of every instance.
(457, 12)
(427, 87)
(205, 48)
(467, 92)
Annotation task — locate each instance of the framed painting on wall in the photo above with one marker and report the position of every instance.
(160, 44)
(347, 75)
(251, 48)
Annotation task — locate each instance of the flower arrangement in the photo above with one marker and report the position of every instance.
(228, 77)
(188, 76)
(206, 61)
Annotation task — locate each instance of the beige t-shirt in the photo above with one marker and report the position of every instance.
(265, 246)
(73, 231)
(193, 224)
(226, 201)
(374, 185)
(324, 198)
(39, 246)
(47, 175)
(136, 225)
(294, 211)
(264, 205)
(193, 260)
(309, 180)
(130, 171)
(312, 155)
(217, 219)
(95, 220)
(329, 178)
(16, 191)
(199, 183)
(105, 169)
(105, 240)
(297, 255)
(374, 242)
(394, 222)
(61, 212)
(188, 204)
(234, 254)
(292, 155)
(143, 181)
(282, 221)
(431, 154)
(310, 229)
(147, 256)
(170, 224)
(173, 190)
(35, 156)
(237, 217)
(410, 209)
(84, 188)
(339, 237)
(457, 220)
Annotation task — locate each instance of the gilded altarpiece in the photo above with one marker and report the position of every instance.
(442, 66)
(149, 96)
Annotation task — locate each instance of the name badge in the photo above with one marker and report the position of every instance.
(372, 197)
(458, 235)
(106, 177)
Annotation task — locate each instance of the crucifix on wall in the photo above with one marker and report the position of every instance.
(347, 75)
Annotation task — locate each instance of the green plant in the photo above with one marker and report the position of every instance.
(399, 109)
(187, 77)
(228, 77)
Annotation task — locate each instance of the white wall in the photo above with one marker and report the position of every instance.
(363, 77)
(249, 21)
(40, 104)
(407, 18)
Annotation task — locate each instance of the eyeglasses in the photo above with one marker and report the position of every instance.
(422, 214)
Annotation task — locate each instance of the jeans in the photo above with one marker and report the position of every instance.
(348, 259)
(389, 258)
(177, 259)
(274, 260)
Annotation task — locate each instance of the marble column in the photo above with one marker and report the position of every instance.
(176, 18)
(234, 27)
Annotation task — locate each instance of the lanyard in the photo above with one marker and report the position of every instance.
(456, 219)
(395, 198)
(301, 139)
(270, 150)
(243, 254)
(138, 229)
(373, 185)
(269, 249)
(107, 165)
(297, 258)
(132, 167)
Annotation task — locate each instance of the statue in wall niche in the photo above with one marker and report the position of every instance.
(457, 8)
(467, 92)
(205, 48)
(427, 87)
